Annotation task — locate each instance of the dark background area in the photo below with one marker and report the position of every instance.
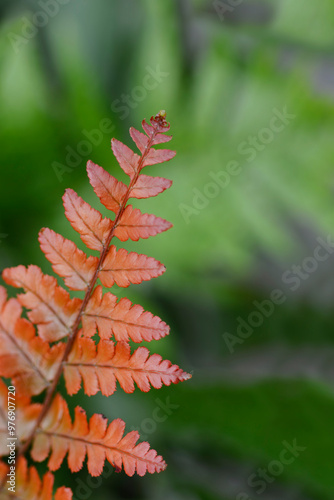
(248, 88)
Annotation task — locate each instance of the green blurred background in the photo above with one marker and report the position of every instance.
(248, 87)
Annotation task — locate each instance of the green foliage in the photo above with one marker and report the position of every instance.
(225, 80)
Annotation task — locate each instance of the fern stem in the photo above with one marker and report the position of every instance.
(76, 326)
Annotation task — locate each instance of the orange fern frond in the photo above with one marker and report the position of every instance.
(96, 439)
(156, 156)
(101, 366)
(146, 186)
(142, 140)
(73, 335)
(25, 358)
(110, 191)
(156, 130)
(127, 159)
(122, 319)
(67, 260)
(123, 268)
(51, 308)
(87, 221)
(134, 224)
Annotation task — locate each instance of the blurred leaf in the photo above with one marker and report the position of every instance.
(255, 420)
